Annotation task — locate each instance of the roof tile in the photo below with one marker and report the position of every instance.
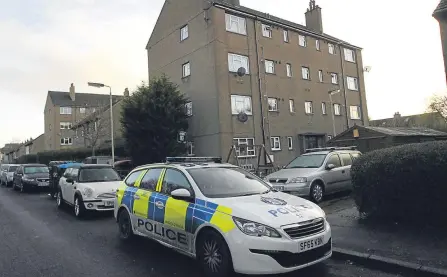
(60, 98)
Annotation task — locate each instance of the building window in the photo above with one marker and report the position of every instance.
(286, 35)
(82, 110)
(320, 76)
(337, 109)
(302, 40)
(66, 141)
(290, 142)
(289, 70)
(236, 61)
(275, 143)
(245, 147)
(317, 45)
(184, 33)
(308, 107)
(186, 70)
(65, 110)
(273, 104)
(269, 67)
(334, 78)
(188, 108)
(305, 73)
(291, 105)
(331, 48)
(235, 24)
(355, 112)
(241, 104)
(66, 125)
(266, 31)
(27, 150)
(349, 55)
(190, 148)
(353, 83)
(49, 127)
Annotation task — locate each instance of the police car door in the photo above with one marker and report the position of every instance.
(143, 207)
(177, 212)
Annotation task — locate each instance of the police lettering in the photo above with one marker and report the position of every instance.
(163, 232)
(286, 210)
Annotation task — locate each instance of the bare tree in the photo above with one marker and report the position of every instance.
(438, 104)
(96, 130)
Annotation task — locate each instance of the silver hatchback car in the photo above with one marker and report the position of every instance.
(316, 173)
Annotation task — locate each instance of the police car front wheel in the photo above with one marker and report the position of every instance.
(125, 225)
(214, 255)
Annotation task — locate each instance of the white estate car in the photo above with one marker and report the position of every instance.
(226, 217)
(88, 187)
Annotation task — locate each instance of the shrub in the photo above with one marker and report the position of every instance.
(404, 183)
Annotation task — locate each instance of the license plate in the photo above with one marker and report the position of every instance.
(310, 244)
(279, 188)
(43, 184)
(110, 203)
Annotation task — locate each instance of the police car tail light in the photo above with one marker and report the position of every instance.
(255, 229)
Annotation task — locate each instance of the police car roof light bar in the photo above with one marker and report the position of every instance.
(310, 150)
(193, 159)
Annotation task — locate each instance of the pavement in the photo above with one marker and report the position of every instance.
(420, 250)
(40, 240)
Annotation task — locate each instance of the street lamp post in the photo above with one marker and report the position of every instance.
(332, 92)
(99, 85)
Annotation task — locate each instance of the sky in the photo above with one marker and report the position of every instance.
(48, 44)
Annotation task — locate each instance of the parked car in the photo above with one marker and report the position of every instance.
(88, 187)
(7, 174)
(98, 160)
(31, 176)
(319, 172)
(123, 167)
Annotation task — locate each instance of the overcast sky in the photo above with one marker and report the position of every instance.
(48, 44)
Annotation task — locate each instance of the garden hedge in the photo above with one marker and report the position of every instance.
(404, 183)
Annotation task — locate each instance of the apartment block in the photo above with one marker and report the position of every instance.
(256, 79)
(64, 109)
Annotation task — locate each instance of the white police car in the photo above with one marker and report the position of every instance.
(222, 215)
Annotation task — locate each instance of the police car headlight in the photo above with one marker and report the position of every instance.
(255, 229)
(297, 180)
(87, 192)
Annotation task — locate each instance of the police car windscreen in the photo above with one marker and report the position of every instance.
(105, 174)
(221, 182)
(13, 168)
(307, 161)
(35, 169)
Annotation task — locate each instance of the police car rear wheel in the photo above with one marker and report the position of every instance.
(124, 224)
(214, 255)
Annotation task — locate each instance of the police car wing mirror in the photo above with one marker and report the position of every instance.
(181, 194)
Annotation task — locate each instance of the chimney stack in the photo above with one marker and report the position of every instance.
(314, 19)
(72, 92)
(126, 92)
(397, 115)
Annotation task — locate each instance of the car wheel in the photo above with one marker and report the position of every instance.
(22, 187)
(79, 208)
(316, 192)
(125, 226)
(213, 255)
(59, 199)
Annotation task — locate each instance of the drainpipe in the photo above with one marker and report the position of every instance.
(344, 85)
(362, 117)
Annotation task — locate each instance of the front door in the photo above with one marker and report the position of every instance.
(334, 178)
(70, 188)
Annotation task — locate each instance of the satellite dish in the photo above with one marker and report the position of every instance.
(242, 117)
(367, 69)
(241, 71)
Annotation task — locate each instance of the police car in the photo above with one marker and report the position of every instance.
(225, 217)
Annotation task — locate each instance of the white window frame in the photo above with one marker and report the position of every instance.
(323, 108)
(81, 110)
(337, 109)
(334, 78)
(251, 150)
(65, 110)
(66, 125)
(289, 70)
(266, 31)
(237, 101)
(286, 35)
(305, 73)
(27, 150)
(275, 143)
(66, 141)
(235, 59)
(302, 40)
(188, 108)
(186, 70)
(320, 76)
(317, 45)
(184, 33)
(352, 83)
(308, 107)
(331, 48)
(272, 104)
(291, 105)
(239, 26)
(269, 66)
(290, 143)
(349, 55)
(355, 112)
